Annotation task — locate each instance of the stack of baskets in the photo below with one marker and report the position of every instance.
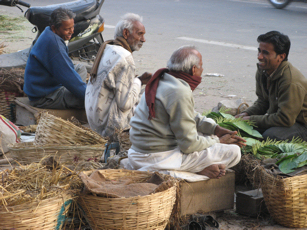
(286, 199)
(61, 139)
(139, 212)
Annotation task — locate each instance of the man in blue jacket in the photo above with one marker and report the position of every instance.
(51, 79)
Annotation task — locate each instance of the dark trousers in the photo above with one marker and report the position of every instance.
(286, 133)
(62, 98)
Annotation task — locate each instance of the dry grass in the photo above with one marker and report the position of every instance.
(12, 80)
(37, 181)
(8, 23)
(2, 46)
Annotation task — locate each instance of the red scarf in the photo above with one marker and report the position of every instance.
(152, 85)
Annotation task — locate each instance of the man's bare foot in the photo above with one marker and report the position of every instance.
(214, 171)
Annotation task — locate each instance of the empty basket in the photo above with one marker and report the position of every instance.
(54, 130)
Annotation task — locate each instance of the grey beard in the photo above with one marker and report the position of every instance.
(136, 47)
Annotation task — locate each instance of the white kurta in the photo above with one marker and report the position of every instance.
(111, 98)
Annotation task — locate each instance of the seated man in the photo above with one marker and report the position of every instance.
(167, 134)
(51, 80)
(114, 90)
(280, 112)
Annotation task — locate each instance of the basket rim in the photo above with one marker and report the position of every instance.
(127, 198)
(279, 179)
(60, 196)
(15, 146)
(175, 183)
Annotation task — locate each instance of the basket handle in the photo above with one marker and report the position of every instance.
(243, 103)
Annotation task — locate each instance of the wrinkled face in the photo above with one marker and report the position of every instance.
(66, 29)
(269, 60)
(136, 38)
(198, 71)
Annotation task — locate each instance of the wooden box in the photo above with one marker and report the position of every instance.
(207, 196)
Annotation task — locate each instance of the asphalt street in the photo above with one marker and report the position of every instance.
(225, 32)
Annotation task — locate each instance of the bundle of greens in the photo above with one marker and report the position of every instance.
(245, 128)
(289, 155)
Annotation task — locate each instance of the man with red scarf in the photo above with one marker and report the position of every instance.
(167, 135)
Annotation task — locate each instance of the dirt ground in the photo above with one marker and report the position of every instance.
(229, 219)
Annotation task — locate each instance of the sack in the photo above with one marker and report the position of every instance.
(9, 134)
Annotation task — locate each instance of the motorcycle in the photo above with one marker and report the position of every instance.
(280, 4)
(84, 43)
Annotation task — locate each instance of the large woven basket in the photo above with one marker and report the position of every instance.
(54, 130)
(141, 212)
(27, 152)
(286, 199)
(34, 215)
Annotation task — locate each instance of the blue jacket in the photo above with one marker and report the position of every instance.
(49, 67)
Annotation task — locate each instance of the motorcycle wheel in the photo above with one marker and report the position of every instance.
(280, 4)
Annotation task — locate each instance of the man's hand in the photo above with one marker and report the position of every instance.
(232, 139)
(219, 131)
(241, 115)
(246, 118)
(229, 137)
(145, 77)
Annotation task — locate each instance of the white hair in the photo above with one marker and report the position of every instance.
(126, 23)
(183, 59)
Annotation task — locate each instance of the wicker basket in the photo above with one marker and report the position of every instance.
(8, 105)
(27, 152)
(11, 82)
(34, 215)
(54, 130)
(141, 212)
(124, 140)
(286, 199)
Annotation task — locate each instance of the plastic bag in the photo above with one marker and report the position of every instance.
(9, 134)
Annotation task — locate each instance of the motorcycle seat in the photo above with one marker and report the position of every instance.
(40, 15)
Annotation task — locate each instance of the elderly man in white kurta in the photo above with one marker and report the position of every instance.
(113, 90)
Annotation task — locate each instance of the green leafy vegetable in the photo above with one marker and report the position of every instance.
(290, 155)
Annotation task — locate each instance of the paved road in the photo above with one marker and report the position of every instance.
(225, 32)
